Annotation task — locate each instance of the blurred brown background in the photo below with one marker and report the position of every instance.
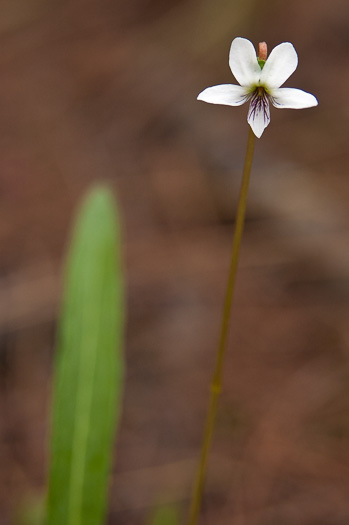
(106, 90)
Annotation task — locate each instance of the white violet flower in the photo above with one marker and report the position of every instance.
(260, 79)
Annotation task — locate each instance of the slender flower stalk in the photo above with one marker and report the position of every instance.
(260, 78)
(216, 384)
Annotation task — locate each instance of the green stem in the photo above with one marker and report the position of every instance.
(216, 384)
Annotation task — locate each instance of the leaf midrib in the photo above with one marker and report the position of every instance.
(81, 429)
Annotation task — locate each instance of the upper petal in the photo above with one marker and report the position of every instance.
(292, 98)
(243, 62)
(280, 65)
(226, 94)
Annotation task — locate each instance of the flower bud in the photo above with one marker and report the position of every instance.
(262, 51)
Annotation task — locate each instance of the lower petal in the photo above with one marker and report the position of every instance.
(259, 115)
(226, 94)
(291, 98)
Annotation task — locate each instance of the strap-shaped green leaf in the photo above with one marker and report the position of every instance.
(89, 368)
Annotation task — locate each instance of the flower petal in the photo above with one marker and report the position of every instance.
(292, 98)
(280, 65)
(258, 116)
(243, 62)
(227, 94)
